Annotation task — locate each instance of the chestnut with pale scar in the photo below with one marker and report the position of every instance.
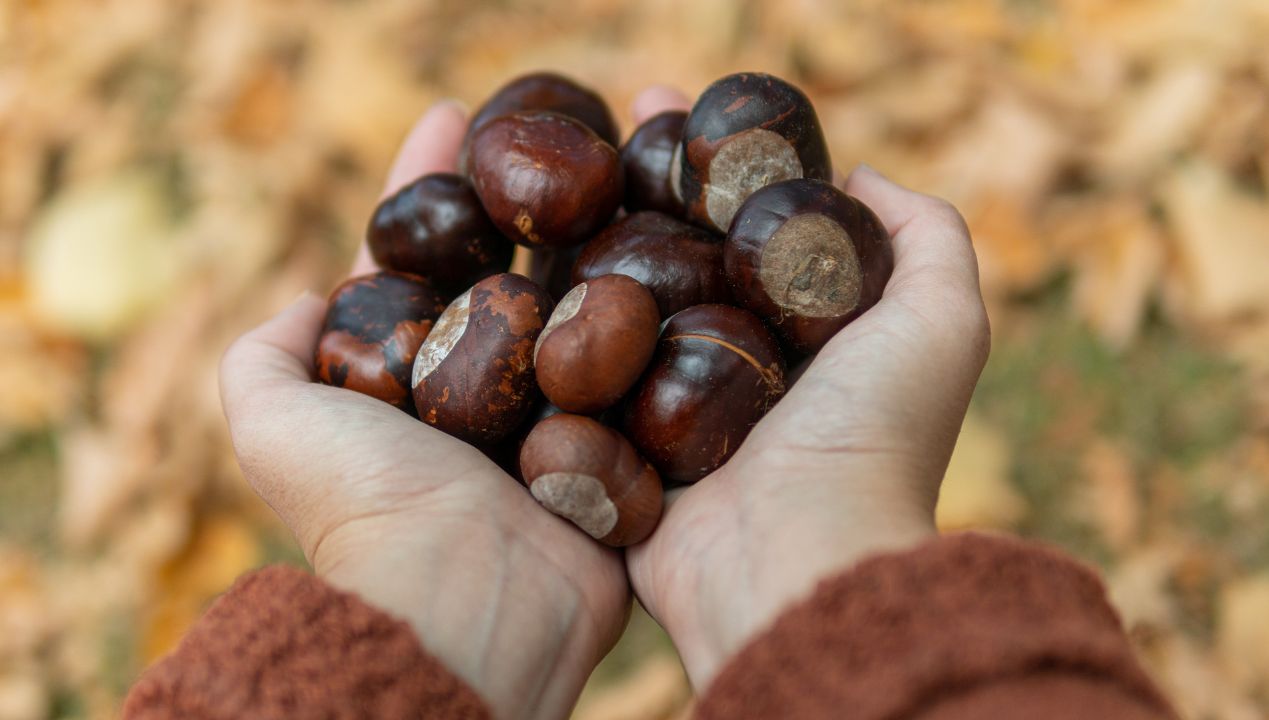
(597, 343)
(808, 259)
(584, 471)
(473, 376)
(746, 131)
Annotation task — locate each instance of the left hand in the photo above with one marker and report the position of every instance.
(513, 599)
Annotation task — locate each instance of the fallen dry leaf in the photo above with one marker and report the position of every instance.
(976, 492)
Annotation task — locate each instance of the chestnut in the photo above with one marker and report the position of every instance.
(715, 373)
(596, 344)
(680, 264)
(808, 259)
(544, 91)
(473, 376)
(645, 161)
(746, 131)
(545, 179)
(374, 326)
(552, 268)
(588, 473)
(436, 227)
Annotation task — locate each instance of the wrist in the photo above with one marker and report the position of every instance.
(525, 644)
(792, 542)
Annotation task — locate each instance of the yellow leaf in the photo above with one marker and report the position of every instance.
(1243, 630)
(976, 491)
(100, 256)
(1222, 237)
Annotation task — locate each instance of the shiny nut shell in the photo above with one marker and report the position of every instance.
(473, 377)
(374, 326)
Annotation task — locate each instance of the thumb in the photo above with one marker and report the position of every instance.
(278, 352)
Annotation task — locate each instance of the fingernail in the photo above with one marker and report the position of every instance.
(449, 104)
(869, 170)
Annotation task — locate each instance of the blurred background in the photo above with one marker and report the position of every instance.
(173, 171)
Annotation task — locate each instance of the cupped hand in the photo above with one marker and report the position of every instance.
(513, 599)
(848, 464)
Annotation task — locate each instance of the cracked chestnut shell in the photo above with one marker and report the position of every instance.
(550, 92)
(645, 160)
(437, 228)
(746, 131)
(374, 326)
(473, 376)
(588, 473)
(808, 259)
(680, 264)
(545, 179)
(716, 372)
(596, 343)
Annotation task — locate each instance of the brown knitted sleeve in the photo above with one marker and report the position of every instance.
(283, 644)
(968, 626)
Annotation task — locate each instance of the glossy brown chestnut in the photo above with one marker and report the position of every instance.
(808, 259)
(680, 264)
(645, 160)
(545, 179)
(716, 372)
(374, 326)
(588, 473)
(746, 131)
(436, 227)
(544, 91)
(473, 377)
(552, 268)
(596, 344)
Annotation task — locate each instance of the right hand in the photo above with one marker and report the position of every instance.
(848, 464)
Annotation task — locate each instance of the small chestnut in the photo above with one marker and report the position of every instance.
(680, 264)
(473, 376)
(545, 179)
(544, 91)
(596, 344)
(746, 131)
(808, 259)
(586, 472)
(436, 227)
(715, 373)
(645, 160)
(374, 326)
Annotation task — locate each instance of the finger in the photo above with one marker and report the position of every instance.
(656, 100)
(932, 245)
(431, 146)
(276, 353)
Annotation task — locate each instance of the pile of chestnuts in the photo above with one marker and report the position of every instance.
(666, 284)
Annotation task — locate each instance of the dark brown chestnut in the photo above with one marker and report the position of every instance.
(808, 259)
(588, 473)
(716, 372)
(374, 326)
(473, 376)
(746, 131)
(436, 227)
(645, 160)
(545, 179)
(552, 268)
(596, 344)
(680, 264)
(546, 91)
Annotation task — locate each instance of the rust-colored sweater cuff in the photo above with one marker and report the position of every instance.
(283, 644)
(903, 634)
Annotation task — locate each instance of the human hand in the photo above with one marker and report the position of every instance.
(511, 598)
(848, 464)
